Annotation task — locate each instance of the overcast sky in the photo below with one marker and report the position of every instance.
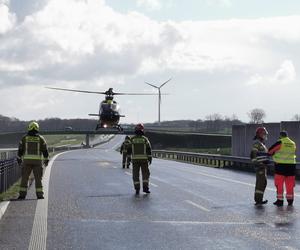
(224, 56)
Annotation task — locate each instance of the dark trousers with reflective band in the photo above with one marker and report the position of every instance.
(261, 184)
(144, 166)
(126, 160)
(289, 182)
(37, 172)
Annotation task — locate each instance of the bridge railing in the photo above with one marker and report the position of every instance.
(212, 160)
(10, 171)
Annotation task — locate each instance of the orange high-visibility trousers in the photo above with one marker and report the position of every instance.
(289, 182)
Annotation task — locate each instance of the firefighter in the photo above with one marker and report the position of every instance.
(124, 148)
(31, 154)
(141, 157)
(260, 157)
(284, 156)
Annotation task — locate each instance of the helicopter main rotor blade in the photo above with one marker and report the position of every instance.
(96, 92)
(78, 91)
(152, 85)
(165, 83)
(134, 94)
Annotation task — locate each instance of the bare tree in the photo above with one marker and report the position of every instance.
(256, 115)
(296, 117)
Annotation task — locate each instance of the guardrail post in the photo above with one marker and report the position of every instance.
(87, 140)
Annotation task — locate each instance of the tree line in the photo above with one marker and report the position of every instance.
(8, 124)
(214, 123)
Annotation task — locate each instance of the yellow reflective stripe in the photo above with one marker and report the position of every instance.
(259, 192)
(139, 157)
(32, 139)
(23, 189)
(136, 182)
(40, 190)
(32, 157)
(146, 181)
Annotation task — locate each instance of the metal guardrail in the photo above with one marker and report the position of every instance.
(218, 161)
(10, 171)
(202, 159)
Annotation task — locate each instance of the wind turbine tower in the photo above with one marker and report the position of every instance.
(159, 95)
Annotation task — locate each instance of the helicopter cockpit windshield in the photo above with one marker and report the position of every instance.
(109, 106)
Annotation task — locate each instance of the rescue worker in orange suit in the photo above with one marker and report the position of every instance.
(141, 156)
(284, 156)
(260, 158)
(32, 153)
(124, 151)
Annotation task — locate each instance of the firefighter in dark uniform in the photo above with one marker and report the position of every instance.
(141, 157)
(260, 157)
(32, 153)
(284, 156)
(124, 151)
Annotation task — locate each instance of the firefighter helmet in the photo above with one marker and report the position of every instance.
(33, 126)
(261, 132)
(139, 127)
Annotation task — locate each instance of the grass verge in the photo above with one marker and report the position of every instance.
(11, 193)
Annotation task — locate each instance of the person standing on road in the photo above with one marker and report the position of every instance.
(124, 151)
(260, 157)
(284, 156)
(141, 156)
(31, 154)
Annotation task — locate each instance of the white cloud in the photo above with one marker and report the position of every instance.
(150, 4)
(86, 44)
(222, 3)
(7, 19)
(284, 75)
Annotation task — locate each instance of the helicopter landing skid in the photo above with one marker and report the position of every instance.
(119, 128)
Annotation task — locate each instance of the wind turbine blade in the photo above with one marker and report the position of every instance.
(151, 85)
(165, 83)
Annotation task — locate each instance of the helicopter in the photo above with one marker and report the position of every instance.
(109, 110)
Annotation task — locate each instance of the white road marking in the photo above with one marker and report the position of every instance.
(174, 222)
(128, 173)
(3, 207)
(114, 167)
(38, 239)
(154, 185)
(204, 223)
(229, 180)
(200, 196)
(197, 206)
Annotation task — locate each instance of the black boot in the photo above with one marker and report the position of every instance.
(290, 202)
(137, 192)
(146, 190)
(21, 197)
(261, 202)
(278, 203)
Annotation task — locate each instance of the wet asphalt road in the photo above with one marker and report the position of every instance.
(92, 206)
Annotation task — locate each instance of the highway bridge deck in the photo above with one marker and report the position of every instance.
(91, 205)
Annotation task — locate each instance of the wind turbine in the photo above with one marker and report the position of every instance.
(159, 95)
